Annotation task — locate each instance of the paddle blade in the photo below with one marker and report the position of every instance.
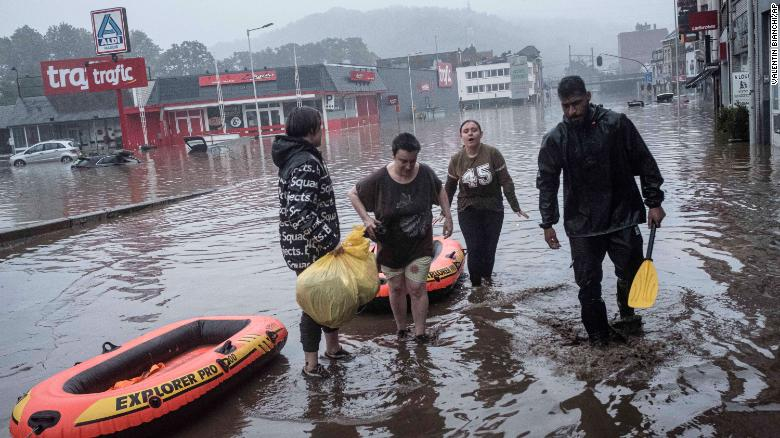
(644, 289)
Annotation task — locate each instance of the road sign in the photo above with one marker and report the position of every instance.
(648, 78)
(109, 28)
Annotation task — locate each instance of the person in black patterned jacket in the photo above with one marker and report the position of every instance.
(308, 220)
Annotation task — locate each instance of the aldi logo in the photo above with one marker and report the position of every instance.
(109, 27)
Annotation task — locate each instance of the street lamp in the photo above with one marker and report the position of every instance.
(411, 96)
(252, 67)
(18, 88)
(647, 71)
(599, 61)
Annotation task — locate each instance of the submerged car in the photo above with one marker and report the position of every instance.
(196, 144)
(49, 150)
(117, 159)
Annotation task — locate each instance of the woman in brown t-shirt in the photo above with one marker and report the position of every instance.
(480, 172)
(401, 195)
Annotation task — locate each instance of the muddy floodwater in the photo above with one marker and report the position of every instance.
(507, 360)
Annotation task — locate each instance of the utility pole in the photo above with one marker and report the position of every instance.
(254, 84)
(752, 72)
(592, 64)
(411, 94)
(676, 65)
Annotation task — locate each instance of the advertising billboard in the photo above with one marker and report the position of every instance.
(518, 72)
(237, 78)
(445, 74)
(92, 74)
(362, 76)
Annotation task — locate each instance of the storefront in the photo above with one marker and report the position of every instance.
(224, 107)
(169, 109)
(91, 120)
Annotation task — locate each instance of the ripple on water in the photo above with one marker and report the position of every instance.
(503, 357)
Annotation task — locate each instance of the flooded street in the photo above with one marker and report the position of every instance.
(507, 359)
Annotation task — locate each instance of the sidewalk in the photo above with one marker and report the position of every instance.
(21, 235)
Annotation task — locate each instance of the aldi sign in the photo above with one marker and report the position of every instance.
(109, 27)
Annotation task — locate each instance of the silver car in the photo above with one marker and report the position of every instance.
(49, 150)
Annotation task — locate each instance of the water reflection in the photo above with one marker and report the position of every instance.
(508, 359)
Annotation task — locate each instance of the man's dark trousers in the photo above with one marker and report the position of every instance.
(625, 250)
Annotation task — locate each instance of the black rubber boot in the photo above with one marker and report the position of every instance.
(629, 322)
(623, 289)
(594, 317)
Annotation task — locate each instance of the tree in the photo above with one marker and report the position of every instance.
(66, 42)
(25, 49)
(332, 50)
(187, 58)
(143, 46)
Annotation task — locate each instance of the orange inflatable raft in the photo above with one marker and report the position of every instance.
(155, 375)
(446, 267)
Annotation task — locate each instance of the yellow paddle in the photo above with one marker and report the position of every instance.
(644, 289)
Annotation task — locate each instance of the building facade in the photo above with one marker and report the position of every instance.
(429, 96)
(638, 45)
(169, 109)
(745, 55)
(517, 80)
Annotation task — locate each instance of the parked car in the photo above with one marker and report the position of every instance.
(49, 150)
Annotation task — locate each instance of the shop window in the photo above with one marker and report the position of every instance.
(350, 110)
(776, 97)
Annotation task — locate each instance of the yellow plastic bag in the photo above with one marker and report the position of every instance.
(333, 287)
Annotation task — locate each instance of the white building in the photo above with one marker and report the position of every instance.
(491, 83)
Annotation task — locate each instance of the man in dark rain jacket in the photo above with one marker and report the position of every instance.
(599, 152)
(308, 221)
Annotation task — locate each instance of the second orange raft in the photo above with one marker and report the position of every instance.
(446, 268)
(147, 379)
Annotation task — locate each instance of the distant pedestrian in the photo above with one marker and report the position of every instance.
(599, 152)
(308, 221)
(401, 195)
(478, 173)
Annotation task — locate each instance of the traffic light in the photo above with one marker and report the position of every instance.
(599, 61)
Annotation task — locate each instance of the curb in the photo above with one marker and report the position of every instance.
(18, 236)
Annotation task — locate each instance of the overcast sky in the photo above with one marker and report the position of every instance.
(173, 21)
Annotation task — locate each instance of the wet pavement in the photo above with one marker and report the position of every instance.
(507, 359)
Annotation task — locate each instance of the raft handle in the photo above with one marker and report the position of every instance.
(43, 420)
(273, 334)
(155, 401)
(226, 348)
(109, 347)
